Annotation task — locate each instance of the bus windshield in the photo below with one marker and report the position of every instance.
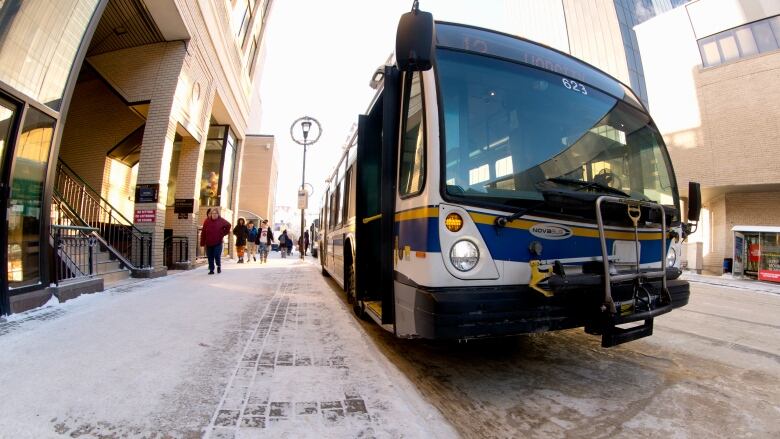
(511, 130)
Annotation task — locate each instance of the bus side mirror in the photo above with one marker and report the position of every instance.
(694, 201)
(414, 41)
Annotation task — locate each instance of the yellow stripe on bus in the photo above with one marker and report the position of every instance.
(423, 212)
(482, 218)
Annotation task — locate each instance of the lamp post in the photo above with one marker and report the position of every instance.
(306, 123)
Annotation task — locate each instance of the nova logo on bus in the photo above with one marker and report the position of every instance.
(550, 231)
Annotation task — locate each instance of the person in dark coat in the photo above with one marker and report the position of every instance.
(251, 242)
(214, 229)
(283, 240)
(241, 233)
(289, 246)
(305, 242)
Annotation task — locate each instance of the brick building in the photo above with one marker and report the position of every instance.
(122, 122)
(708, 68)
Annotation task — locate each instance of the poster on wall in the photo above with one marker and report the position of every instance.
(770, 266)
(144, 216)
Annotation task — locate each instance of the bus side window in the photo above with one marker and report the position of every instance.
(411, 177)
(345, 196)
(351, 193)
(334, 207)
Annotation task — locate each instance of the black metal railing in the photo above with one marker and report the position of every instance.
(76, 250)
(79, 204)
(177, 250)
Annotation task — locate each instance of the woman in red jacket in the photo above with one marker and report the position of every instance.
(214, 229)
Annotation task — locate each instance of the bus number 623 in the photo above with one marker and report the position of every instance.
(574, 86)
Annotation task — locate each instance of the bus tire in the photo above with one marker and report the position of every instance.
(351, 290)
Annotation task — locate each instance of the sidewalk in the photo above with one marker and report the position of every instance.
(728, 281)
(257, 351)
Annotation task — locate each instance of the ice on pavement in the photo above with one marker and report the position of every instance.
(258, 351)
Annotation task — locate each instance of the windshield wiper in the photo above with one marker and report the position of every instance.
(502, 221)
(587, 185)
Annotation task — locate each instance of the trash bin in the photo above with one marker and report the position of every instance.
(728, 263)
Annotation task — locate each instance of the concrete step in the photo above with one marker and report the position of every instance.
(105, 256)
(115, 277)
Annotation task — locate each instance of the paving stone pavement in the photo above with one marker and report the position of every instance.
(297, 369)
(294, 371)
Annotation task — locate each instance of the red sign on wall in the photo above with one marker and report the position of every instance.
(145, 216)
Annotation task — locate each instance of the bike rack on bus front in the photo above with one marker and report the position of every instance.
(634, 212)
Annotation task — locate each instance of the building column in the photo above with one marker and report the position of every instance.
(188, 187)
(156, 154)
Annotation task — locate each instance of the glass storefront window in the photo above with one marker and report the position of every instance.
(769, 267)
(209, 180)
(38, 43)
(6, 123)
(216, 184)
(31, 157)
(229, 163)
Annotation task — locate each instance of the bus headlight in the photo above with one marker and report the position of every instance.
(464, 255)
(671, 257)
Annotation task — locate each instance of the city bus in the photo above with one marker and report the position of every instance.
(496, 187)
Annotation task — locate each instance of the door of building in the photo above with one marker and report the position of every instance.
(740, 252)
(8, 116)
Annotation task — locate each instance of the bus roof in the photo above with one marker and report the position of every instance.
(490, 42)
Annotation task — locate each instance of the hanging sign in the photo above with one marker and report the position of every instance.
(184, 205)
(303, 200)
(146, 193)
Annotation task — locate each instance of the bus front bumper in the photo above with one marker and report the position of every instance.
(475, 312)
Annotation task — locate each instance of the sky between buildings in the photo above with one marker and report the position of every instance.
(320, 56)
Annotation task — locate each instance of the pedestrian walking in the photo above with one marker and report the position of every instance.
(241, 233)
(289, 245)
(215, 228)
(283, 238)
(265, 237)
(251, 241)
(305, 242)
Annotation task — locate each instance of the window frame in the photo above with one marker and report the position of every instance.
(751, 26)
(404, 120)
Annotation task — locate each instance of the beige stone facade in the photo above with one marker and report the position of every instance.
(259, 174)
(720, 123)
(197, 74)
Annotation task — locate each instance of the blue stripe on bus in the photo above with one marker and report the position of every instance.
(420, 234)
(510, 244)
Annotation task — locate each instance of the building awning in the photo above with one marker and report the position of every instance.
(764, 229)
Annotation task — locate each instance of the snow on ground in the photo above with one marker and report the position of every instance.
(257, 351)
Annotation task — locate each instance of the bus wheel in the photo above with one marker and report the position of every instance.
(357, 305)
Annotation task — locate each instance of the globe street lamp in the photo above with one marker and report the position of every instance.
(306, 123)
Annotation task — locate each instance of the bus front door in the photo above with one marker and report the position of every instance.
(375, 201)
